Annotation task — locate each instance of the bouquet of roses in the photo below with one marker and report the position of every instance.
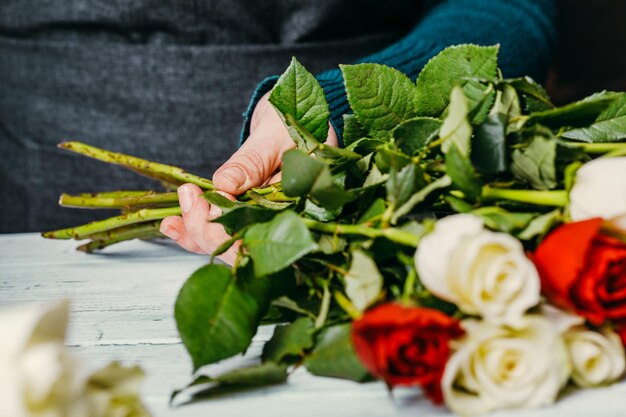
(469, 239)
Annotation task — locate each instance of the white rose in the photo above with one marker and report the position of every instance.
(599, 189)
(597, 358)
(39, 377)
(482, 272)
(496, 367)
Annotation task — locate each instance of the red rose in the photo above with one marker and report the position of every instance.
(405, 345)
(584, 270)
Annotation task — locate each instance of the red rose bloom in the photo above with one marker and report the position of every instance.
(406, 345)
(584, 270)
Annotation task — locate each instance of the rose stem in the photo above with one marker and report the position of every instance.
(81, 201)
(120, 193)
(84, 231)
(599, 148)
(150, 169)
(557, 198)
(395, 235)
(104, 239)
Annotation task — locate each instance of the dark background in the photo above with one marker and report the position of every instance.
(592, 49)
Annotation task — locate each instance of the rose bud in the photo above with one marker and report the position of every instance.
(405, 345)
(583, 270)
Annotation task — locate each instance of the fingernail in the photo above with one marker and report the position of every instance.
(214, 211)
(170, 232)
(187, 198)
(235, 175)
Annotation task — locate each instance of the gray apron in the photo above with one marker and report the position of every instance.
(165, 82)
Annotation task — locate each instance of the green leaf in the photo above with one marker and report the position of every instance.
(219, 200)
(304, 175)
(289, 341)
(389, 156)
(217, 314)
(352, 129)
(256, 375)
(238, 380)
(298, 94)
(278, 243)
(402, 184)
(507, 102)
(458, 205)
(334, 355)
(380, 97)
(536, 164)
(363, 281)
(578, 114)
(365, 146)
(420, 196)
(459, 65)
(534, 94)
(497, 218)
(244, 215)
(319, 213)
(489, 151)
(456, 128)
(610, 126)
(460, 169)
(415, 134)
(541, 225)
(481, 109)
(374, 211)
(289, 304)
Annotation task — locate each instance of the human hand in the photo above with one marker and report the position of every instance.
(254, 164)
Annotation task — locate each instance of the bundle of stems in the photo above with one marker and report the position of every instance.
(141, 211)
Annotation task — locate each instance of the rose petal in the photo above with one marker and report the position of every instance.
(561, 258)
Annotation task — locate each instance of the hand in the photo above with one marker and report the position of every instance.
(254, 164)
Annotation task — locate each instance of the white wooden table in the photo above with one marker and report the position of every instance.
(122, 309)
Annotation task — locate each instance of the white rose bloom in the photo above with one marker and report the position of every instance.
(497, 367)
(38, 376)
(599, 189)
(482, 272)
(597, 357)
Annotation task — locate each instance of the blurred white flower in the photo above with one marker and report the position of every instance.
(39, 377)
(599, 189)
(482, 272)
(597, 358)
(497, 367)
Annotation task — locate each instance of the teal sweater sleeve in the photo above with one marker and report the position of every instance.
(525, 30)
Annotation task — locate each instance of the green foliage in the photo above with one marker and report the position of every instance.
(578, 114)
(458, 65)
(489, 147)
(536, 164)
(334, 355)
(217, 313)
(352, 129)
(278, 243)
(610, 126)
(462, 173)
(297, 93)
(380, 97)
(305, 176)
(363, 281)
(290, 341)
(415, 134)
(456, 129)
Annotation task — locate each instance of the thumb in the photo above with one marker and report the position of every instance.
(253, 163)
